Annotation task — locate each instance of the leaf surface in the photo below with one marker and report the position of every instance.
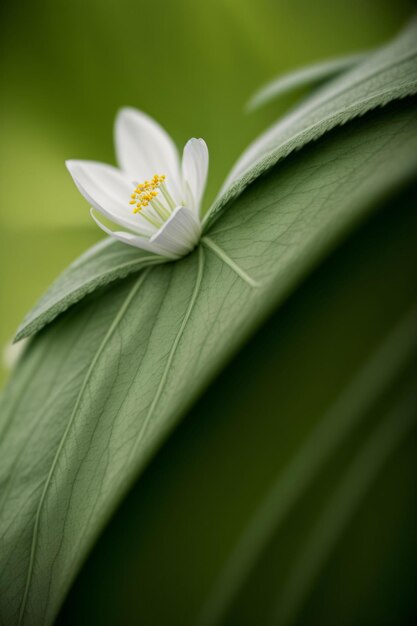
(223, 517)
(101, 387)
(100, 265)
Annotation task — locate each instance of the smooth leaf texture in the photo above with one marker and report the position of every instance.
(388, 74)
(307, 76)
(101, 387)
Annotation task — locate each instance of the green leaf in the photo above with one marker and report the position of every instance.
(388, 74)
(255, 466)
(306, 76)
(101, 387)
(100, 265)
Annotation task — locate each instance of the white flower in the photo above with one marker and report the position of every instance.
(154, 197)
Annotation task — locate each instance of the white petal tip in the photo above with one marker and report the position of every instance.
(123, 112)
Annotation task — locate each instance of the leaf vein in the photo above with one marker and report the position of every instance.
(142, 431)
(228, 261)
(108, 335)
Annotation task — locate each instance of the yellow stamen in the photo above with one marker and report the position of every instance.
(146, 194)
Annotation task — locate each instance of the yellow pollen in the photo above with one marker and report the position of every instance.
(145, 192)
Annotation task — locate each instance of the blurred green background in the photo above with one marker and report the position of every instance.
(68, 66)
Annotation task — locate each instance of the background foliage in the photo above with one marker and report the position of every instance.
(67, 67)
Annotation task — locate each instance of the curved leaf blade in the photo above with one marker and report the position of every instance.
(101, 387)
(388, 74)
(246, 430)
(102, 264)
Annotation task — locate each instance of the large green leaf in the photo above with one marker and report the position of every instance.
(254, 490)
(388, 74)
(100, 388)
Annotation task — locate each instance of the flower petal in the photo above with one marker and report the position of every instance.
(195, 162)
(143, 149)
(180, 233)
(108, 190)
(137, 241)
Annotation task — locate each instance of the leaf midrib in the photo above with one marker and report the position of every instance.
(184, 322)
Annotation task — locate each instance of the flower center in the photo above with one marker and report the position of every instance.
(146, 202)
